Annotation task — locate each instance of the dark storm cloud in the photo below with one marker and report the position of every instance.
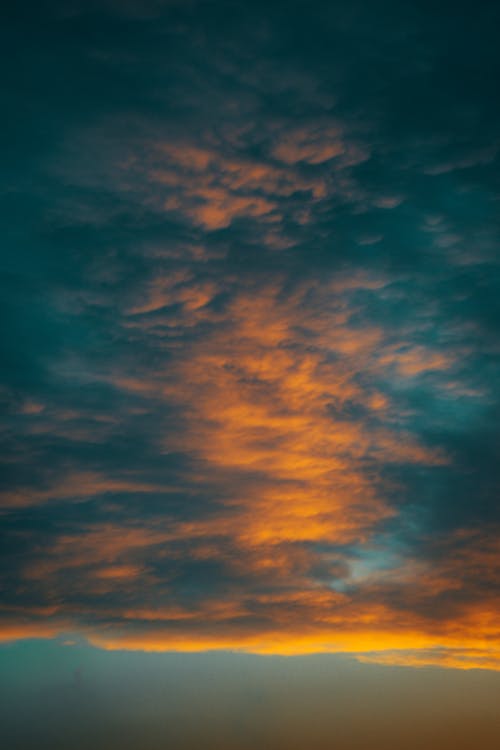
(251, 326)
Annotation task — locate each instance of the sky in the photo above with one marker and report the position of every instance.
(250, 361)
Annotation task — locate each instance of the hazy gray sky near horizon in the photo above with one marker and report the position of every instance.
(55, 696)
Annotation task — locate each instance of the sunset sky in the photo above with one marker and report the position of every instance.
(250, 375)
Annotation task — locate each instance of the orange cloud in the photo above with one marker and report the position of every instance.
(317, 144)
(263, 396)
(312, 623)
(285, 431)
(73, 486)
(213, 187)
(416, 360)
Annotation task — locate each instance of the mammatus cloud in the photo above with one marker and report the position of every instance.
(253, 351)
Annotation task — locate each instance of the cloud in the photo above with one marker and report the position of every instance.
(287, 429)
(251, 333)
(75, 486)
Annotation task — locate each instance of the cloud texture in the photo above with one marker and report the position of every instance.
(251, 330)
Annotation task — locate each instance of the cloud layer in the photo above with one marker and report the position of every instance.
(251, 332)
